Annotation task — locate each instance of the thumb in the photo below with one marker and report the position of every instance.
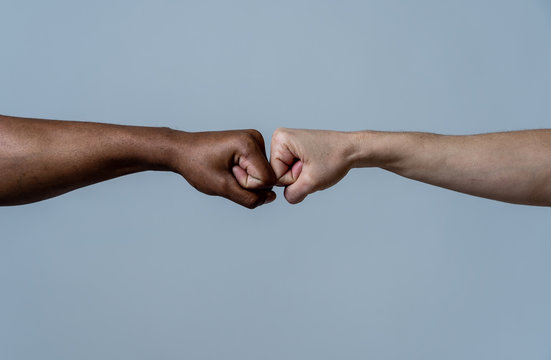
(291, 175)
(297, 191)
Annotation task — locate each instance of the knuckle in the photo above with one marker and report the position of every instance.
(280, 134)
(293, 201)
(294, 198)
(255, 134)
(251, 202)
(247, 142)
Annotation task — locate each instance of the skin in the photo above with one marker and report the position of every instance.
(40, 159)
(513, 167)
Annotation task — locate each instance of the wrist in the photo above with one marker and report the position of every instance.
(376, 148)
(157, 147)
(365, 152)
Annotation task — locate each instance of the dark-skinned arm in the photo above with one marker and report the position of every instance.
(40, 159)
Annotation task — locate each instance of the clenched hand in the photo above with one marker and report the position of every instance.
(305, 161)
(231, 164)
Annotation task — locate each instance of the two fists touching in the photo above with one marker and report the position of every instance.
(513, 167)
(40, 159)
(233, 164)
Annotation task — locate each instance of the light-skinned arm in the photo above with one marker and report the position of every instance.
(40, 159)
(513, 167)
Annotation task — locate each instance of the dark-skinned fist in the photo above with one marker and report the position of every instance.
(231, 164)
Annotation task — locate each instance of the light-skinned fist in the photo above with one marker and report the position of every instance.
(305, 161)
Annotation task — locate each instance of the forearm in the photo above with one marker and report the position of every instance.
(511, 166)
(40, 159)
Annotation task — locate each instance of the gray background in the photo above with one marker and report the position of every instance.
(379, 267)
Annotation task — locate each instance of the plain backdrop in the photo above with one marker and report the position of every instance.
(378, 267)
